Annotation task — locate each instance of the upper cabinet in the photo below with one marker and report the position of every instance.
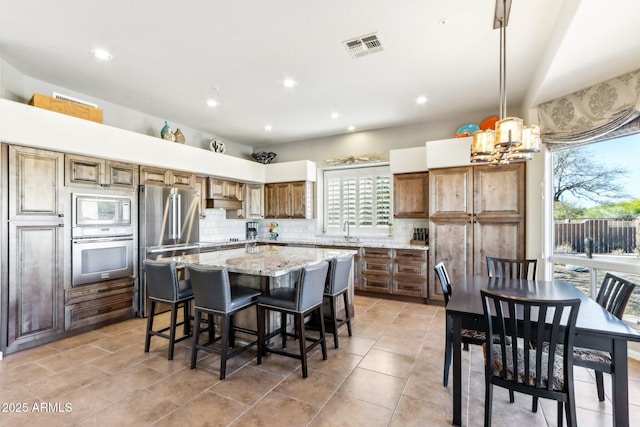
(289, 200)
(93, 172)
(411, 195)
(167, 178)
(254, 206)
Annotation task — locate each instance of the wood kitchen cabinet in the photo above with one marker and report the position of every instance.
(201, 190)
(98, 303)
(410, 273)
(36, 248)
(377, 270)
(289, 200)
(411, 195)
(254, 201)
(167, 178)
(475, 212)
(99, 173)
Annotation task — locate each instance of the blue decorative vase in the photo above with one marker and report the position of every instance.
(166, 132)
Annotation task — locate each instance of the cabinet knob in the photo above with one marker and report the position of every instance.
(61, 215)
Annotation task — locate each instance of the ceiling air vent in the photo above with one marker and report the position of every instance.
(364, 45)
(74, 100)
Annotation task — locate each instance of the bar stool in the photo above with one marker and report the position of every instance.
(214, 295)
(337, 284)
(303, 299)
(163, 286)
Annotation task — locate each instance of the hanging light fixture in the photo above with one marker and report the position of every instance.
(510, 140)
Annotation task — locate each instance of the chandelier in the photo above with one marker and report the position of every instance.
(510, 140)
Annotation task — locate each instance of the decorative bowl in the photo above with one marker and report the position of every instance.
(264, 157)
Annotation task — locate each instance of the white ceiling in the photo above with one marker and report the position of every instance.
(170, 57)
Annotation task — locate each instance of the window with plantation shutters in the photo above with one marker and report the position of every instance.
(361, 196)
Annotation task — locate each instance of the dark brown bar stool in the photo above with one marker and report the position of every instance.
(163, 286)
(300, 301)
(214, 295)
(337, 284)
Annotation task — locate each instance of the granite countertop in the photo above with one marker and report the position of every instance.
(270, 261)
(324, 241)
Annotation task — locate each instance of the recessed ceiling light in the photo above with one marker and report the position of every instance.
(351, 128)
(268, 128)
(212, 103)
(289, 83)
(443, 21)
(102, 54)
(421, 100)
(335, 115)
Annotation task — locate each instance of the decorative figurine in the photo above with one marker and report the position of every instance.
(179, 136)
(166, 132)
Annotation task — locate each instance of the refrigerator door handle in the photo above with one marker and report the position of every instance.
(173, 209)
(179, 216)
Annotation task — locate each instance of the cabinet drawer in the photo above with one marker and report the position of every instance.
(377, 253)
(376, 283)
(377, 265)
(411, 254)
(100, 290)
(410, 267)
(410, 285)
(98, 310)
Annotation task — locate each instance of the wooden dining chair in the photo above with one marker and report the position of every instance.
(512, 268)
(613, 295)
(519, 366)
(468, 336)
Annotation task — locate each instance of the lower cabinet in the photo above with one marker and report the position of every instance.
(98, 303)
(394, 271)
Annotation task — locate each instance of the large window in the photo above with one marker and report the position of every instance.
(596, 225)
(359, 196)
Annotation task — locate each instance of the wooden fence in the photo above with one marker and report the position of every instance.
(608, 235)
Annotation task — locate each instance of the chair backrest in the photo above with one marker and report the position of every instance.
(161, 279)
(310, 286)
(211, 287)
(535, 322)
(512, 268)
(445, 282)
(338, 275)
(614, 294)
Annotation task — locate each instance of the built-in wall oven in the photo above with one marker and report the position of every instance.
(102, 238)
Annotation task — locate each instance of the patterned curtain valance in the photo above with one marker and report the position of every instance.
(591, 113)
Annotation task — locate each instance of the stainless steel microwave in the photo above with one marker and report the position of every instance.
(101, 210)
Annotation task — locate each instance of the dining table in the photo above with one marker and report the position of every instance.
(596, 328)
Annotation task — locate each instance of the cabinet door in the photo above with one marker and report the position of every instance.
(182, 179)
(36, 246)
(270, 201)
(81, 170)
(254, 206)
(301, 199)
(377, 268)
(153, 176)
(283, 203)
(201, 190)
(121, 175)
(216, 188)
(410, 195)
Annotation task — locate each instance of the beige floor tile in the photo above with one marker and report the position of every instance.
(126, 382)
(394, 341)
(419, 413)
(276, 409)
(247, 385)
(346, 410)
(63, 382)
(316, 389)
(25, 357)
(78, 340)
(387, 362)
(24, 374)
(142, 408)
(356, 344)
(206, 409)
(338, 363)
(184, 385)
(373, 387)
(72, 357)
(122, 359)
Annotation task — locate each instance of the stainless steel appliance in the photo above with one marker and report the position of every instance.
(102, 238)
(169, 226)
(252, 230)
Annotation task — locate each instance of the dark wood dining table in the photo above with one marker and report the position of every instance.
(596, 328)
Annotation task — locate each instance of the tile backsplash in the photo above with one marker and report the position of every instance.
(217, 228)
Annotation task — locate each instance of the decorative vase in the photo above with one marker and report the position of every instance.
(166, 132)
(179, 136)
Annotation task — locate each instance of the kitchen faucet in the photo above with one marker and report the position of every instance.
(345, 227)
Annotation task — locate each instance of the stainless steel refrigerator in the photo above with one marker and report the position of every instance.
(169, 226)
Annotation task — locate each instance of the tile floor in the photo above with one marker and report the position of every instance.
(388, 374)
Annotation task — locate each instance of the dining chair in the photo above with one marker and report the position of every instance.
(613, 295)
(301, 300)
(163, 286)
(520, 366)
(512, 268)
(468, 336)
(214, 295)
